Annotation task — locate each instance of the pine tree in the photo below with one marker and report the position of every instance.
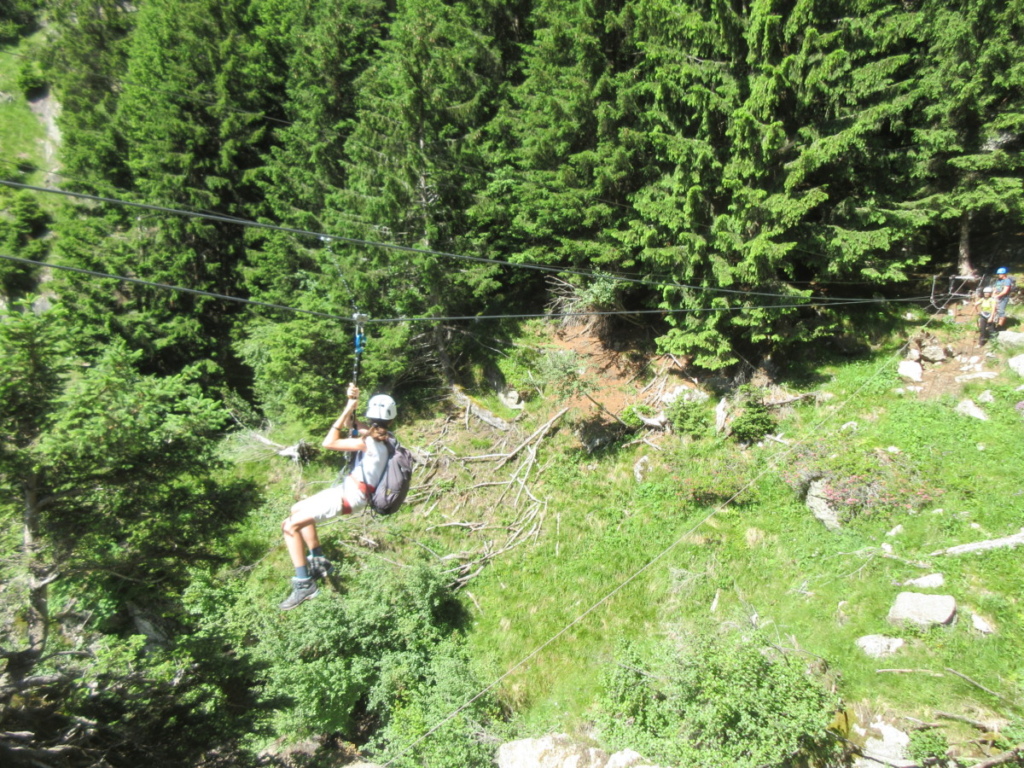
(968, 144)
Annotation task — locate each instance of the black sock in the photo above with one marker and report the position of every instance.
(316, 552)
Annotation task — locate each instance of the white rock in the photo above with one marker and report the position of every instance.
(551, 751)
(921, 609)
(986, 397)
(973, 376)
(1010, 338)
(896, 531)
(933, 353)
(887, 548)
(721, 413)
(688, 394)
(560, 751)
(909, 369)
(886, 742)
(931, 581)
(1016, 364)
(819, 506)
(879, 646)
(968, 408)
(849, 425)
(981, 624)
(893, 449)
(627, 758)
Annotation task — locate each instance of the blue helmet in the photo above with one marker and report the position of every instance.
(1001, 271)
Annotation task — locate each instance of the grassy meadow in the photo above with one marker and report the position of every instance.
(717, 531)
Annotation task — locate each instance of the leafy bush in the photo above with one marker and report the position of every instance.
(753, 423)
(30, 80)
(708, 698)
(446, 688)
(688, 417)
(631, 414)
(382, 662)
(928, 744)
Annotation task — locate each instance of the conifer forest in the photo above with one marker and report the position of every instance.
(227, 185)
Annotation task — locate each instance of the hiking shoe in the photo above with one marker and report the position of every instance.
(319, 567)
(302, 590)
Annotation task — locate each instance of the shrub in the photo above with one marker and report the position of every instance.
(930, 744)
(708, 698)
(753, 423)
(631, 415)
(688, 417)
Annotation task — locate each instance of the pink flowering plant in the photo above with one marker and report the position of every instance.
(861, 482)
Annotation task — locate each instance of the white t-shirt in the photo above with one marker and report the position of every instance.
(371, 469)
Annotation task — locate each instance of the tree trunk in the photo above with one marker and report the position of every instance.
(963, 261)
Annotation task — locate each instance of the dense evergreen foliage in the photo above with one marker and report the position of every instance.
(741, 171)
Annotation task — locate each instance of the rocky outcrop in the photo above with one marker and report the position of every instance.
(560, 751)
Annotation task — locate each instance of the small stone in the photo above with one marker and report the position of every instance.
(986, 397)
(973, 376)
(968, 408)
(909, 369)
(931, 581)
(896, 531)
(981, 624)
(933, 353)
(877, 646)
(887, 548)
(893, 449)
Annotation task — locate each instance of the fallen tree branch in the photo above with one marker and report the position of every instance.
(539, 433)
(1005, 757)
(300, 451)
(979, 546)
(975, 682)
(788, 400)
(481, 413)
(980, 725)
(919, 671)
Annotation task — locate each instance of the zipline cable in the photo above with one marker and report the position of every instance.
(644, 568)
(455, 318)
(406, 248)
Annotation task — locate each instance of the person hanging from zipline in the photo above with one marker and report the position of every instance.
(352, 495)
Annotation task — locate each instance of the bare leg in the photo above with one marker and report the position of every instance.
(298, 531)
(310, 536)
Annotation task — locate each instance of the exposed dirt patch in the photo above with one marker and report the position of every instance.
(967, 358)
(620, 377)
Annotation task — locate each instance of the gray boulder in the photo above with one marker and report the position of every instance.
(922, 610)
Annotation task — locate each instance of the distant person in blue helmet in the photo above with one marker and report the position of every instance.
(352, 495)
(1002, 288)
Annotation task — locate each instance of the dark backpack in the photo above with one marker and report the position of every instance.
(394, 483)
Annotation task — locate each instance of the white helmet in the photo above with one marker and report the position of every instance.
(381, 408)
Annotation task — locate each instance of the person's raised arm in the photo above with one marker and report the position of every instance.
(337, 438)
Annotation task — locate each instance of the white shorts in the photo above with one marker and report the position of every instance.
(338, 499)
